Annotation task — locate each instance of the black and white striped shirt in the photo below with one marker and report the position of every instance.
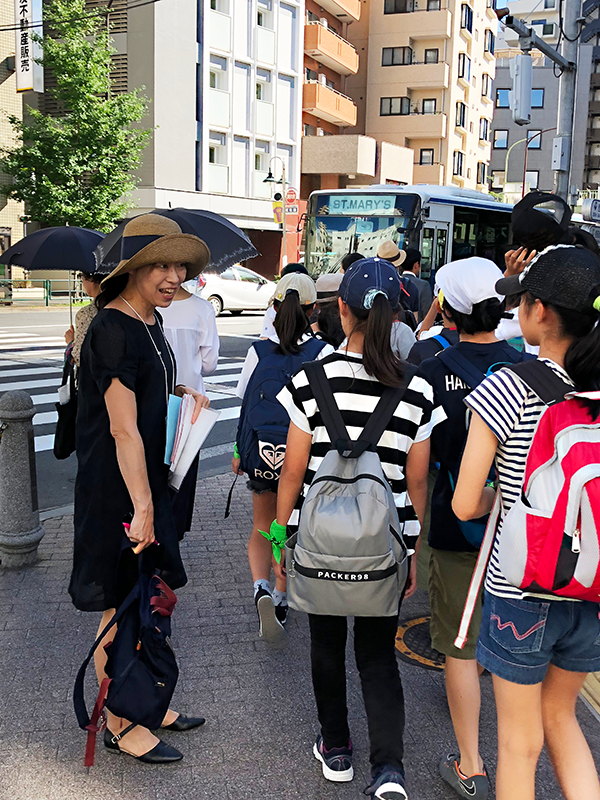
(357, 395)
(511, 411)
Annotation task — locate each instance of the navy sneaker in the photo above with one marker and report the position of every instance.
(472, 786)
(270, 629)
(336, 762)
(387, 784)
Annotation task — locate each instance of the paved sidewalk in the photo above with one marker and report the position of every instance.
(261, 715)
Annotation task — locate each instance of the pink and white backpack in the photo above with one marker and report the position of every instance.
(550, 541)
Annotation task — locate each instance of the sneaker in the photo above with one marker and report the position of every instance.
(388, 784)
(474, 786)
(281, 612)
(336, 763)
(270, 629)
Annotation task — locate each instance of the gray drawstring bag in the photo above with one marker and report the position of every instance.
(348, 557)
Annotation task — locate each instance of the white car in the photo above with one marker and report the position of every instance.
(236, 289)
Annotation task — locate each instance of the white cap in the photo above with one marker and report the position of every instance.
(297, 282)
(467, 282)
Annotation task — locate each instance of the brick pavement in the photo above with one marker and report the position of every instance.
(258, 703)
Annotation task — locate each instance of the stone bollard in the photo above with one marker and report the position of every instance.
(20, 529)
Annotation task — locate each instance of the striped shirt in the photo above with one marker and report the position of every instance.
(511, 411)
(357, 395)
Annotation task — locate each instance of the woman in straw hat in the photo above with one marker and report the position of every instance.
(127, 374)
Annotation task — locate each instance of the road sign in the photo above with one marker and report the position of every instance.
(291, 209)
(291, 196)
(590, 210)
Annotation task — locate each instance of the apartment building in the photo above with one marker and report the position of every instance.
(425, 82)
(224, 80)
(11, 226)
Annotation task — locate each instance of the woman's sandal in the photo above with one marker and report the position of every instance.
(162, 753)
(183, 723)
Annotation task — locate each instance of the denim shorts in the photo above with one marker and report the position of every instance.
(520, 638)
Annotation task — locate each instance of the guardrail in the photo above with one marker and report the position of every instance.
(40, 292)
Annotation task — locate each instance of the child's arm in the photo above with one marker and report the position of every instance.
(472, 499)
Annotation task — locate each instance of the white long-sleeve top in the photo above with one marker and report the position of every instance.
(191, 330)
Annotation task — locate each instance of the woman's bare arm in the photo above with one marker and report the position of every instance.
(297, 453)
(122, 411)
(417, 472)
(472, 499)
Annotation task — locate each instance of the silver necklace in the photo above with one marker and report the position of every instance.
(158, 353)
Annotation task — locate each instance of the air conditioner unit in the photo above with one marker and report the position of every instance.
(323, 78)
(320, 132)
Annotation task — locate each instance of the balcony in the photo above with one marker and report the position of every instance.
(420, 25)
(594, 107)
(593, 135)
(429, 173)
(265, 45)
(218, 178)
(595, 80)
(220, 31)
(265, 116)
(330, 49)
(421, 76)
(592, 162)
(421, 126)
(262, 190)
(328, 104)
(339, 155)
(344, 10)
(218, 108)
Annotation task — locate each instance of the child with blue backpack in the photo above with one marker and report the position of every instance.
(262, 433)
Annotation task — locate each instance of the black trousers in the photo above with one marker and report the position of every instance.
(375, 654)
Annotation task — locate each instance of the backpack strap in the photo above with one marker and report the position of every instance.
(381, 416)
(461, 367)
(542, 380)
(442, 340)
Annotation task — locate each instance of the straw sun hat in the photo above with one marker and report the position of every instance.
(153, 239)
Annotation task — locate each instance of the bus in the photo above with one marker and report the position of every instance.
(443, 222)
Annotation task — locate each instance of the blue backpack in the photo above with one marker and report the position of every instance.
(264, 422)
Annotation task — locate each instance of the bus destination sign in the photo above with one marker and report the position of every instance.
(362, 204)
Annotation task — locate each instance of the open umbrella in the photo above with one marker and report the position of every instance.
(67, 247)
(227, 243)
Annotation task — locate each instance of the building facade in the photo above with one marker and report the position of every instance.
(224, 80)
(425, 82)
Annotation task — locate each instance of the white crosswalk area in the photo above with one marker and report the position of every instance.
(39, 373)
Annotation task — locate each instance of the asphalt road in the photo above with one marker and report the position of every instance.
(31, 348)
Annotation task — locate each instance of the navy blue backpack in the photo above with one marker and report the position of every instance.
(264, 422)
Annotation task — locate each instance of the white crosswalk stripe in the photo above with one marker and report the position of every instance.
(40, 376)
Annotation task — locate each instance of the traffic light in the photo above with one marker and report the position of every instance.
(521, 70)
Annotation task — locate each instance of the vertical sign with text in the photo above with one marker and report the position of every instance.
(28, 20)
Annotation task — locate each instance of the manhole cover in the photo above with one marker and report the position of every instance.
(413, 644)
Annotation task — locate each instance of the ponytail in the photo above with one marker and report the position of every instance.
(112, 289)
(291, 322)
(375, 324)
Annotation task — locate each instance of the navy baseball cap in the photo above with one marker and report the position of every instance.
(367, 278)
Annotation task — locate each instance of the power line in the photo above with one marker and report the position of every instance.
(99, 13)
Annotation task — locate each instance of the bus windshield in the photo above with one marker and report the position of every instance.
(357, 222)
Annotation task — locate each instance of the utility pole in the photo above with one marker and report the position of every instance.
(567, 62)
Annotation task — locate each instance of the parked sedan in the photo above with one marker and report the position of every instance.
(236, 289)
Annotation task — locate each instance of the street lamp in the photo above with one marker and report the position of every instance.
(271, 179)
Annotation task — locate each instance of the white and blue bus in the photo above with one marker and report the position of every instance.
(443, 222)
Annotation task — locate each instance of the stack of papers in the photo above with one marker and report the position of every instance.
(184, 440)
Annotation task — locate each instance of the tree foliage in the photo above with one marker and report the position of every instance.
(77, 168)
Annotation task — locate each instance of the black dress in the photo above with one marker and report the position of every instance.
(118, 346)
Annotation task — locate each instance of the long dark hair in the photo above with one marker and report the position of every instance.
(375, 324)
(112, 289)
(582, 359)
(330, 324)
(291, 322)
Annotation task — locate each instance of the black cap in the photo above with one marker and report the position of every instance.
(540, 220)
(563, 275)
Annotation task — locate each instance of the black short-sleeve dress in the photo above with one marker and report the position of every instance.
(118, 346)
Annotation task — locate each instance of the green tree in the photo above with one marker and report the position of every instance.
(77, 167)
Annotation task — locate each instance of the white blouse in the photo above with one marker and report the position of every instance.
(191, 330)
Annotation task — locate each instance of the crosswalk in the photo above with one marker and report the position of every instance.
(34, 364)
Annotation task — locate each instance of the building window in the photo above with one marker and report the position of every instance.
(263, 84)
(502, 98)
(218, 73)
(549, 3)
(434, 5)
(480, 173)
(548, 29)
(532, 178)
(464, 66)
(461, 115)
(263, 14)
(213, 4)
(484, 129)
(309, 130)
(261, 156)
(535, 144)
(396, 56)
(497, 179)
(458, 163)
(310, 74)
(489, 42)
(500, 140)
(426, 156)
(217, 154)
(432, 55)
(429, 106)
(394, 106)
(486, 85)
(466, 17)
(397, 6)
(537, 98)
